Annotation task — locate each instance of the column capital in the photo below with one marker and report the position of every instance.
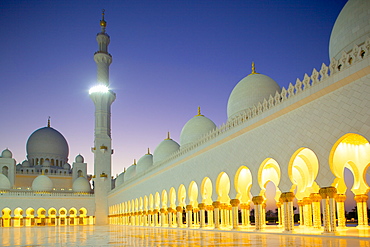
(216, 204)
(307, 200)
(201, 206)
(163, 210)
(234, 202)
(361, 198)
(315, 197)
(209, 207)
(287, 196)
(257, 200)
(245, 206)
(189, 207)
(179, 209)
(300, 203)
(340, 198)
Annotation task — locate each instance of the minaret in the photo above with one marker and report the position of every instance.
(103, 98)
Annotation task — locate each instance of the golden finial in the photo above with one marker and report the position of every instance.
(253, 69)
(199, 114)
(148, 151)
(42, 172)
(124, 169)
(103, 23)
(134, 162)
(49, 122)
(168, 136)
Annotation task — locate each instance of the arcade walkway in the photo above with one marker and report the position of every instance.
(114, 235)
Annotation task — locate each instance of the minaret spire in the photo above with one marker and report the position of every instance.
(103, 98)
(49, 121)
(253, 69)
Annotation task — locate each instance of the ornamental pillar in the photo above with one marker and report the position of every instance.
(216, 211)
(210, 215)
(257, 201)
(235, 217)
(163, 217)
(179, 216)
(170, 218)
(189, 214)
(145, 218)
(202, 208)
(316, 210)
(150, 218)
(301, 213)
(222, 214)
(307, 206)
(341, 198)
(264, 213)
(328, 196)
(196, 217)
(287, 198)
(155, 217)
(245, 214)
(361, 201)
(280, 212)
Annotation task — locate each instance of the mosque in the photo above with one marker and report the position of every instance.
(300, 138)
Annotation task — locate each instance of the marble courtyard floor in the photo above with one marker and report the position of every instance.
(117, 235)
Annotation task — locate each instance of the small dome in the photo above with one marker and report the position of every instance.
(81, 185)
(130, 172)
(352, 27)
(251, 90)
(195, 128)
(66, 166)
(164, 150)
(4, 182)
(144, 163)
(79, 159)
(119, 179)
(6, 154)
(26, 163)
(46, 163)
(42, 183)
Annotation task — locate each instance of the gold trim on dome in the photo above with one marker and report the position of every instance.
(253, 69)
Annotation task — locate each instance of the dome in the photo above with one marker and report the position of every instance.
(6, 154)
(251, 90)
(4, 182)
(26, 163)
(66, 166)
(81, 185)
(79, 159)
(144, 162)
(46, 163)
(42, 183)
(164, 150)
(352, 27)
(119, 179)
(47, 142)
(195, 128)
(130, 172)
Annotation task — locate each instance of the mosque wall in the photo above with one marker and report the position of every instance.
(315, 119)
(59, 182)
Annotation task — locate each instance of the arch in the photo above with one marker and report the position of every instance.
(41, 216)
(151, 202)
(79, 173)
(206, 191)
(52, 212)
(141, 204)
(157, 200)
(5, 170)
(243, 183)
(136, 205)
(18, 217)
(172, 197)
(182, 195)
(223, 188)
(6, 217)
(146, 203)
(164, 199)
(193, 194)
(302, 170)
(18, 212)
(269, 171)
(351, 151)
(73, 216)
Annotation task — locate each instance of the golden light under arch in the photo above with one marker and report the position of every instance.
(269, 171)
(223, 187)
(243, 183)
(206, 191)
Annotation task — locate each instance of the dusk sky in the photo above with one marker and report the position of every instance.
(169, 57)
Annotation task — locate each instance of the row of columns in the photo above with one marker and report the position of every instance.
(226, 216)
(45, 221)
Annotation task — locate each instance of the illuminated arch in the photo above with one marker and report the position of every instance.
(157, 200)
(146, 203)
(223, 188)
(302, 170)
(141, 204)
(136, 205)
(151, 202)
(164, 199)
(351, 151)
(193, 194)
(182, 195)
(269, 171)
(243, 183)
(172, 197)
(18, 216)
(6, 217)
(206, 191)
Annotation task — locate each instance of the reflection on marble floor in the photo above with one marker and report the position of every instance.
(114, 235)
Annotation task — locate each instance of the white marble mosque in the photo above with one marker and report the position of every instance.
(300, 138)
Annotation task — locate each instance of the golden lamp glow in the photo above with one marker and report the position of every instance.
(99, 89)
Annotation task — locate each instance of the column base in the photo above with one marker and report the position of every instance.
(329, 233)
(288, 231)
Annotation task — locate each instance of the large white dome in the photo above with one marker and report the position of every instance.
(251, 90)
(47, 143)
(4, 182)
(352, 27)
(81, 185)
(42, 183)
(130, 172)
(195, 128)
(164, 150)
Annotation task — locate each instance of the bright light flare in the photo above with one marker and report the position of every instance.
(99, 89)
